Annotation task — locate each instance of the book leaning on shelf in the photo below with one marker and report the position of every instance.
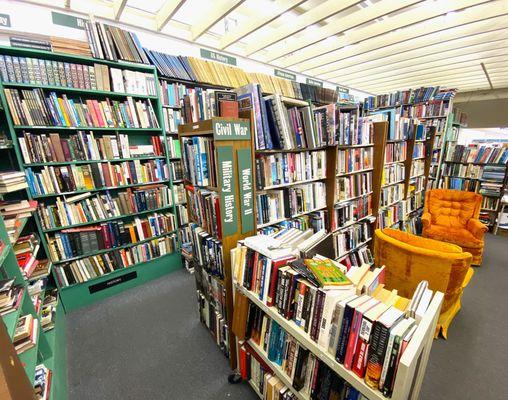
(76, 242)
(33, 107)
(87, 268)
(88, 207)
(42, 72)
(82, 146)
(56, 180)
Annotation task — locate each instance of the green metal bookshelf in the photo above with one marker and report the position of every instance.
(78, 295)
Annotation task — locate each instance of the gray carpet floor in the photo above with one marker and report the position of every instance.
(147, 343)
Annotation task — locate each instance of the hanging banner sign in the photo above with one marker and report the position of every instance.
(244, 159)
(68, 20)
(228, 207)
(284, 74)
(341, 89)
(313, 82)
(214, 56)
(231, 130)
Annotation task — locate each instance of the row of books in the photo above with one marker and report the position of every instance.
(288, 168)
(352, 186)
(415, 202)
(179, 193)
(172, 119)
(417, 168)
(204, 210)
(389, 216)
(419, 150)
(87, 268)
(199, 161)
(79, 76)
(393, 173)
(477, 154)
(438, 123)
(490, 203)
(395, 152)
(352, 237)
(315, 221)
(215, 322)
(207, 251)
(174, 149)
(350, 129)
(88, 207)
(433, 108)
(416, 185)
(182, 215)
(213, 289)
(113, 43)
(275, 205)
(33, 107)
(77, 242)
(466, 184)
(391, 194)
(82, 146)
(355, 159)
(493, 173)
(356, 258)
(56, 180)
(347, 213)
(408, 97)
(462, 170)
(492, 189)
(26, 333)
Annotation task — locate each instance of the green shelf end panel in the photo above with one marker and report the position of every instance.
(76, 296)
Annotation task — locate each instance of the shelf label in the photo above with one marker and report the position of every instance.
(283, 74)
(313, 82)
(228, 208)
(341, 89)
(69, 21)
(231, 130)
(112, 282)
(244, 159)
(214, 56)
(5, 20)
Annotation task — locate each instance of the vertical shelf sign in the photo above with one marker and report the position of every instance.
(227, 190)
(244, 159)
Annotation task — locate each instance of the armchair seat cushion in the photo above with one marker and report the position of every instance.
(459, 236)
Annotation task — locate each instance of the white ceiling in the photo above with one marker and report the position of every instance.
(374, 45)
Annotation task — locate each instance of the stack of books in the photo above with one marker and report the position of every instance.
(42, 382)
(11, 296)
(11, 181)
(26, 250)
(70, 46)
(26, 333)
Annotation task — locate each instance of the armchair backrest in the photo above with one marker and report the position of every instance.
(452, 208)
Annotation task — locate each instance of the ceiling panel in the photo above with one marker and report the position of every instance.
(371, 45)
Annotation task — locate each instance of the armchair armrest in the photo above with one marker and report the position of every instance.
(426, 219)
(476, 228)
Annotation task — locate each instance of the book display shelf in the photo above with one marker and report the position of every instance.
(89, 135)
(290, 349)
(481, 168)
(217, 163)
(48, 346)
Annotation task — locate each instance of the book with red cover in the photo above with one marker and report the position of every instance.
(228, 109)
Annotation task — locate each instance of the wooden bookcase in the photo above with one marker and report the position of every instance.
(234, 151)
(81, 294)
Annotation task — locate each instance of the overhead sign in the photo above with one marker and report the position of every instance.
(341, 89)
(5, 20)
(314, 82)
(69, 21)
(284, 74)
(214, 56)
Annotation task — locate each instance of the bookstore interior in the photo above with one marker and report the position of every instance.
(275, 199)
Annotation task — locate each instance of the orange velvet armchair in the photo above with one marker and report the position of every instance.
(409, 259)
(452, 216)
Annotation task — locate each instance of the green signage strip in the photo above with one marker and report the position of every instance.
(231, 130)
(341, 89)
(228, 208)
(284, 74)
(244, 160)
(68, 20)
(313, 82)
(214, 56)
(5, 20)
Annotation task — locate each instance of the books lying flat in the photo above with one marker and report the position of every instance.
(11, 181)
(26, 333)
(70, 46)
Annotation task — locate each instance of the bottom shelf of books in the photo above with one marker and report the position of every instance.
(330, 334)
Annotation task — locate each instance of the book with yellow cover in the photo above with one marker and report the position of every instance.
(326, 273)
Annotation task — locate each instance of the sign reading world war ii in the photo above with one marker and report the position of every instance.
(231, 130)
(228, 210)
(244, 159)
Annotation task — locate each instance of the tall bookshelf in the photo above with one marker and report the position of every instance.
(219, 216)
(101, 286)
